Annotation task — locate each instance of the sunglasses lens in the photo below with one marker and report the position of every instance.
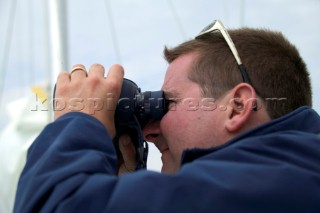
(206, 30)
(208, 27)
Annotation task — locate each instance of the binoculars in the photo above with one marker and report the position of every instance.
(134, 110)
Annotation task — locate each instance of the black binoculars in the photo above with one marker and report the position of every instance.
(134, 110)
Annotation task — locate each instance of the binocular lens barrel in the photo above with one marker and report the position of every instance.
(146, 106)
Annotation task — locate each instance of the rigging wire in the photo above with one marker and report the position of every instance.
(177, 19)
(242, 12)
(31, 43)
(113, 31)
(226, 11)
(7, 47)
(20, 47)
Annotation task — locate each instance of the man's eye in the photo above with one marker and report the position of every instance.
(171, 102)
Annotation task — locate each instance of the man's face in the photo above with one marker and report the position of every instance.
(192, 120)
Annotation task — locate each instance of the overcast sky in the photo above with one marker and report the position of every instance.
(142, 29)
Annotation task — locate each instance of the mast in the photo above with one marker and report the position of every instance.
(58, 41)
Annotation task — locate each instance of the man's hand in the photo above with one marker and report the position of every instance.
(127, 160)
(90, 93)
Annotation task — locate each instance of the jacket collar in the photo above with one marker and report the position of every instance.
(308, 121)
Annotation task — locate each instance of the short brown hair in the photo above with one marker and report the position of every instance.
(276, 70)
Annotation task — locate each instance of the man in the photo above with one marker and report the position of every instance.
(226, 144)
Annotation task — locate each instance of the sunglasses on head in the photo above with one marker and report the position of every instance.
(218, 26)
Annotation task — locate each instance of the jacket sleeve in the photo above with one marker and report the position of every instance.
(70, 156)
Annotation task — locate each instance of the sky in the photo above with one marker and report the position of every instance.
(134, 33)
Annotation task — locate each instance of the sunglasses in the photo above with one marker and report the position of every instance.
(217, 25)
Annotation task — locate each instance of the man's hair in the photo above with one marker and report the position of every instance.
(277, 72)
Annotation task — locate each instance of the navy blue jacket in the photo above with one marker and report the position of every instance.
(273, 168)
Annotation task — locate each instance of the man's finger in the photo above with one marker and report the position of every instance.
(114, 82)
(116, 71)
(115, 78)
(78, 71)
(128, 153)
(96, 70)
(63, 78)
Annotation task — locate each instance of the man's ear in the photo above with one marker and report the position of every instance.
(243, 99)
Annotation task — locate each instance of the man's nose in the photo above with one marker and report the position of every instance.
(151, 131)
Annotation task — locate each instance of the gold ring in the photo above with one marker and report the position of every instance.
(78, 68)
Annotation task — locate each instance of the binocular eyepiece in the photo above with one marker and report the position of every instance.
(146, 106)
